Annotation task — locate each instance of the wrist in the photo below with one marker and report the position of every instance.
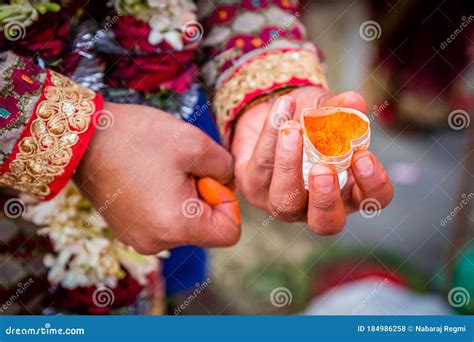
(93, 157)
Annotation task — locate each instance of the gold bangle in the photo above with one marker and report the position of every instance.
(266, 73)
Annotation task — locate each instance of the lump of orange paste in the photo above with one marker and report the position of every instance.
(332, 134)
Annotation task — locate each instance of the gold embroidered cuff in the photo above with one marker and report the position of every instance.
(54, 140)
(262, 75)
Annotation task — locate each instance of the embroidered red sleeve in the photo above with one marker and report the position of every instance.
(54, 119)
(256, 48)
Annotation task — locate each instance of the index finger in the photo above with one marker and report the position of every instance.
(205, 157)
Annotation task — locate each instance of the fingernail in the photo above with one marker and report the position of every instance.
(365, 166)
(283, 104)
(214, 193)
(290, 137)
(324, 183)
(324, 178)
(282, 112)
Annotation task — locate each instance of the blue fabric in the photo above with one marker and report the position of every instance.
(184, 269)
(202, 117)
(187, 265)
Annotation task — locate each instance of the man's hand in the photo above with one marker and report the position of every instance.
(152, 160)
(267, 148)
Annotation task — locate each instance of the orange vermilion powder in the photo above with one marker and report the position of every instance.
(332, 134)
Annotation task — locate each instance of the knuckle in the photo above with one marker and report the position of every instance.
(327, 203)
(379, 186)
(198, 146)
(287, 166)
(284, 205)
(264, 161)
(329, 228)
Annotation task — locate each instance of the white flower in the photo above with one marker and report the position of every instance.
(87, 255)
(130, 260)
(175, 39)
(156, 3)
(217, 36)
(248, 22)
(160, 22)
(277, 15)
(166, 19)
(39, 213)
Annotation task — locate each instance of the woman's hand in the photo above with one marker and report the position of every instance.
(267, 148)
(151, 159)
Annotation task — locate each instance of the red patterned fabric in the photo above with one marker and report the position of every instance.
(252, 26)
(18, 95)
(78, 149)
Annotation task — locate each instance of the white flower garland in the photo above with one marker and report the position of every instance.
(86, 252)
(166, 18)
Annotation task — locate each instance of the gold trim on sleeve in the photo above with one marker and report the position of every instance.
(61, 116)
(261, 73)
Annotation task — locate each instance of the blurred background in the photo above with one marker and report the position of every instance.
(413, 62)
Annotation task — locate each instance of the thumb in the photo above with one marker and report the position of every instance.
(219, 197)
(220, 223)
(347, 99)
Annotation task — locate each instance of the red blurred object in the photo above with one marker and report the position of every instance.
(86, 300)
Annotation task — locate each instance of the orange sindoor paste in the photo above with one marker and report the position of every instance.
(332, 134)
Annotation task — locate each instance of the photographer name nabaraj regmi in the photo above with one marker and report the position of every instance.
(440, 329)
